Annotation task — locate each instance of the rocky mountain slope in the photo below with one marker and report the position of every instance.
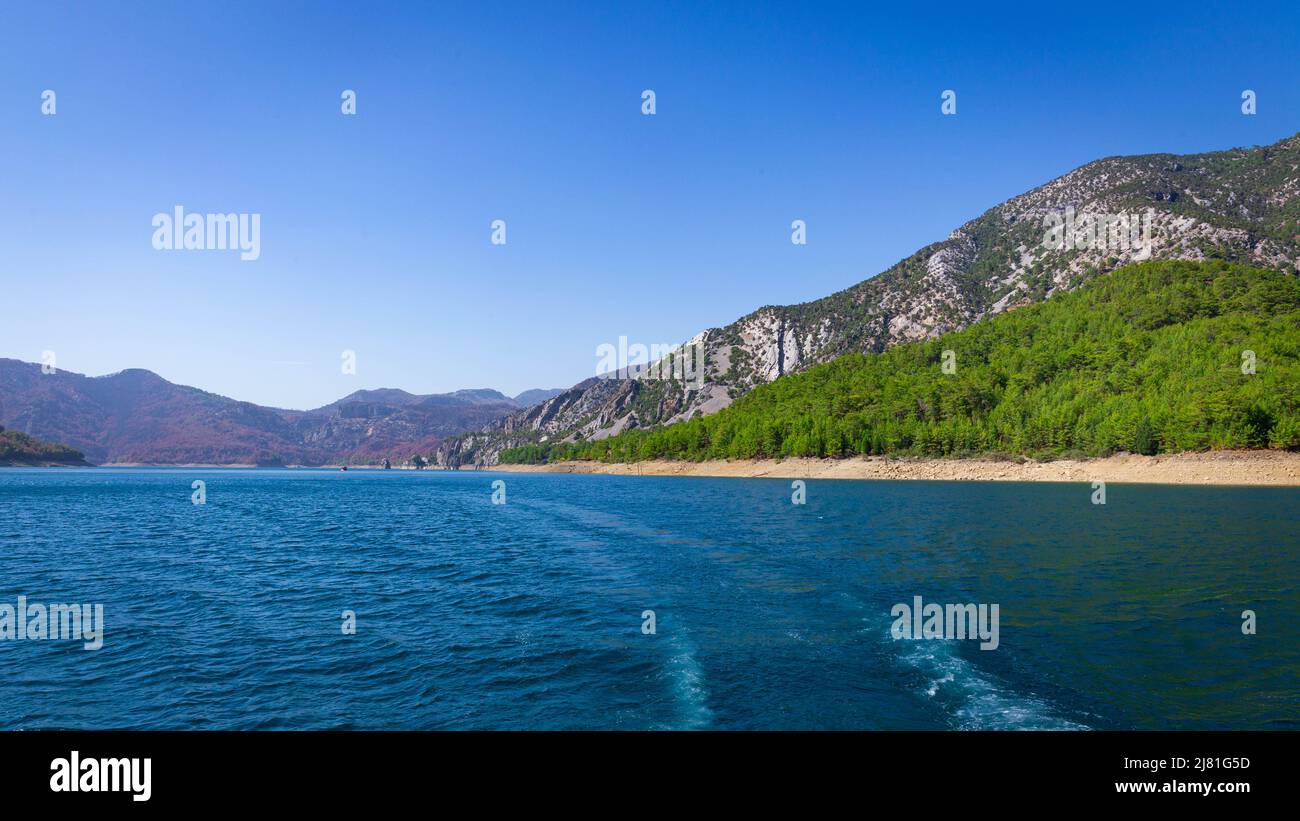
(1240, 205)
(137, 416)
(1156, 357)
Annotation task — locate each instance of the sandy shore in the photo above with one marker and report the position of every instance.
(1213, 468)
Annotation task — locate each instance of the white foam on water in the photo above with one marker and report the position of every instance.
(687, 679)
(978, 701)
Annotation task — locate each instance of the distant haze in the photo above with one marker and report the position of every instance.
(137, 416)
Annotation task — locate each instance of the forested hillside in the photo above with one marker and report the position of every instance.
(1153, 358)
(18, 448)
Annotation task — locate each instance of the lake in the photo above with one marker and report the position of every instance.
(532, 614)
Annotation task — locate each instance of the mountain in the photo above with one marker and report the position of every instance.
(481, 395)
(380, 396)
(535, 396)
(137, 416)
(1239, 205)
(20, 449)
(1156, 357)
(477, 396)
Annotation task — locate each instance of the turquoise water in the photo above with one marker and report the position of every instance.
(528, 615)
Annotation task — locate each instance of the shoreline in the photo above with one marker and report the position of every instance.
(1224, 467)
(230, 466)
(1269, 468)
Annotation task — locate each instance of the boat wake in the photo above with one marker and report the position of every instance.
(685, 679)
(972, 698)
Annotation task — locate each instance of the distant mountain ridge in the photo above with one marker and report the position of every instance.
(1239, 205)
(136, 416)
(532, 397)
(397, 396)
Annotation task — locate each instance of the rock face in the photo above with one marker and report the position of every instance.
(1240, 204)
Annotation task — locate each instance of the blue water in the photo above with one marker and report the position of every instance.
(529, 614)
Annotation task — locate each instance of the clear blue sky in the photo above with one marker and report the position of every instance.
(375, 228)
